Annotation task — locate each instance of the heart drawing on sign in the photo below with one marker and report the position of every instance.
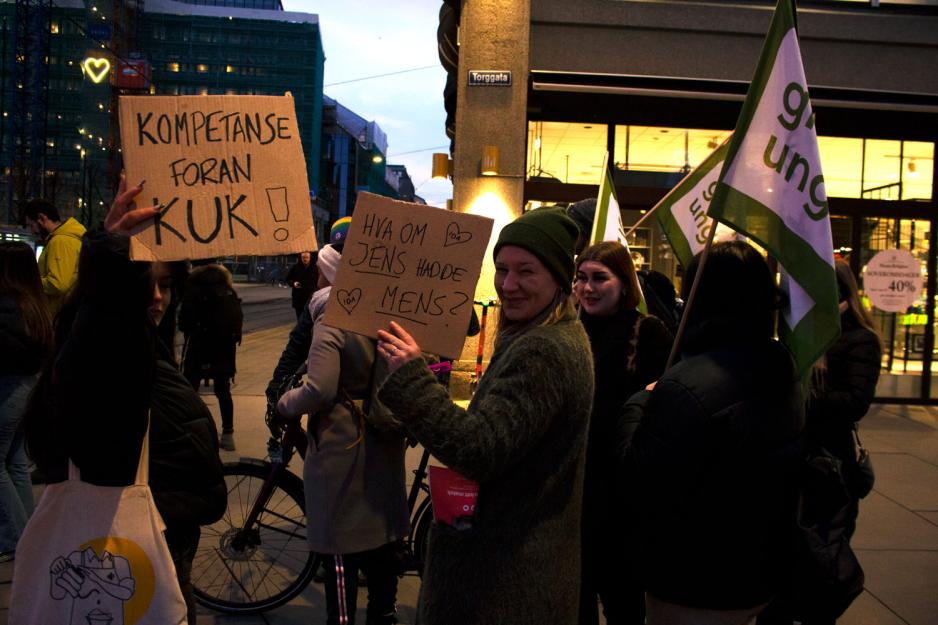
(455, 236)
(349, 299)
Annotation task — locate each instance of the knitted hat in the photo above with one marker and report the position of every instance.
(340, 230)
(328, 261)
(583, 213)
(548, 234)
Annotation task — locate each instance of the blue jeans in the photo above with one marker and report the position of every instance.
(16, 489)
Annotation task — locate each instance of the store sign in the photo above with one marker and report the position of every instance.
(99, 32)
(95, 69)
(228, 172)
(489, 78)
(893, 280)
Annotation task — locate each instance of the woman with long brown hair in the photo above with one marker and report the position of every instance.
(25, 342)
(630, 350)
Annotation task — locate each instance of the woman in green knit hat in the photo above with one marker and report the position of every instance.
(522, 438)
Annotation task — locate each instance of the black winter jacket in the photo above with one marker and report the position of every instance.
(210, 316)
(844, 394)
(110, 375)
(22, 354)
(713, 495)
(624, 363)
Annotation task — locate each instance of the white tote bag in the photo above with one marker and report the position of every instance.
(96, 555)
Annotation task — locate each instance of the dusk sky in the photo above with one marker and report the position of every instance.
(364, 38)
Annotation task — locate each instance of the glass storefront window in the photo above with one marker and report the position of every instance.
(571, 153)
(853, 167)
(653, 148)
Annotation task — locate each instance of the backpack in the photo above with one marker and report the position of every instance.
(826, 576)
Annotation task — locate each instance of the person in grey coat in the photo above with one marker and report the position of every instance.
(522, 438)
(356, 507)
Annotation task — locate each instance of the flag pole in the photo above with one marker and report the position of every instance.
(647, 214)
(675, 347)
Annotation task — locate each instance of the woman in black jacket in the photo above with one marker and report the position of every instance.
(25, 343)
(712, 493)
(844, 381)
(211, 319)
(630, 350)
(113, 377)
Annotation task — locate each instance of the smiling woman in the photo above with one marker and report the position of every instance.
(522, 438)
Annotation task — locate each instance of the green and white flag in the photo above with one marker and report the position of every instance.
(772, 190)
(682, 213)
(607, 222)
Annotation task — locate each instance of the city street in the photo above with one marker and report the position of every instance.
(896, 541)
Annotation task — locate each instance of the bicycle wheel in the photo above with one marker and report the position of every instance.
(274, 565)
(421, 536)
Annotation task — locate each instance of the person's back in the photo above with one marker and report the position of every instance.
(713, 497)
(708, 465)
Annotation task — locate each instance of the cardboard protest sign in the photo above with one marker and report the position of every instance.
(228, 170)
(413, 264)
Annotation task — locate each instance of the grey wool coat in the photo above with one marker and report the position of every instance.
(355, 497)
(523, 438)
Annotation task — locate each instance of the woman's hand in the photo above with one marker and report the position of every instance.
(397, 347)
(124, 214)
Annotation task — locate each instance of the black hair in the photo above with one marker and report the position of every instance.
(736, 300)
(34, 207)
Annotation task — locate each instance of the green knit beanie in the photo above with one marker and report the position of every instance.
(548, 234)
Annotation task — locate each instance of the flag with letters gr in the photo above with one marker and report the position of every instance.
(682, 213)
(772, 190)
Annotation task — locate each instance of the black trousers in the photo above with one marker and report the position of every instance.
(221, 386)
(182, 543)
(607, 576)
(381, 566)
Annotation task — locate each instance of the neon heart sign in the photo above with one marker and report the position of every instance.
(96, 69)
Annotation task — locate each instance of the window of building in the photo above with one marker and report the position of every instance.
(201, 68)
(567, 152)
(172, 67)
(54, 28)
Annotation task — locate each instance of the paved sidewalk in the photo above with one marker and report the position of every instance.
(896, 540)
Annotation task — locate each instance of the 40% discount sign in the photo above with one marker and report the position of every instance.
(893, 280)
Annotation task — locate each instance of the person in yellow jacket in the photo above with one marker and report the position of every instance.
(58, 263)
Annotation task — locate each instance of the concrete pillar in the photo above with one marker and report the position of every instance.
(493, 35)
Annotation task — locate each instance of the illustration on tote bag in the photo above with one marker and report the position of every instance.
(109, 581)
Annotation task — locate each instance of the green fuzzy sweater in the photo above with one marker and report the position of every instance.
(523, 438)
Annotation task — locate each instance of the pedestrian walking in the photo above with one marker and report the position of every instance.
(630, 350)
(356, 505)
(211, 320)
(114, 379)
(58, 262)
(522, 439)
(713, 498)
(303, 279)
(26, 344)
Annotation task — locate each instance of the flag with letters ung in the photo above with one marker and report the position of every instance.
(772, 190)
(607, 222)
(682, 213)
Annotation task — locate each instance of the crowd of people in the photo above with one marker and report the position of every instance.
(605, 481)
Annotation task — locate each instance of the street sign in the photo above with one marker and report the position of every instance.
(489, 78)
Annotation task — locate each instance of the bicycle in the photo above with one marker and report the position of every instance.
(256, 558)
